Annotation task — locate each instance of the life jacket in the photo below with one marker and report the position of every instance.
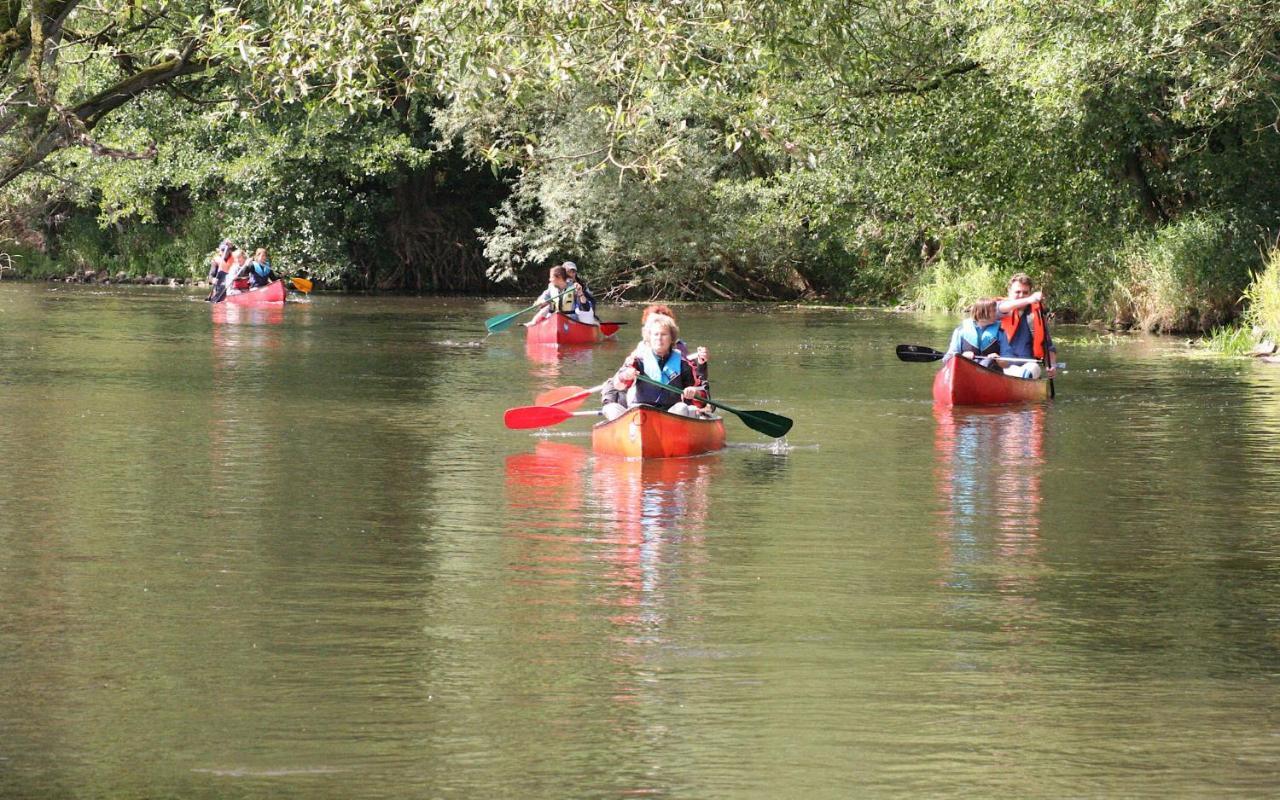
(563, 303)
(667, 372)
(982, 341)
(1010, 325)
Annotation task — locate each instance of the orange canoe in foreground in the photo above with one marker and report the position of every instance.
(961, 382)
(648, 432)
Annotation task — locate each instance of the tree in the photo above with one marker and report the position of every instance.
(65, 65)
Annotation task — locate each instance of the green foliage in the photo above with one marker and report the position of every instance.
(1263, 298)
(1230, 340)
(871, 151)
(1187, 275)
(954, 288)
(709, 228)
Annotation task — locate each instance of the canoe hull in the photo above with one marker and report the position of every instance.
(961, 382)
(648, 432)
(558, 329)
(271, 293)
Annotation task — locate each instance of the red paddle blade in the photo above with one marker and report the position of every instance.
(534, 417)
(554, 397)
(609, 328)
(573, 403)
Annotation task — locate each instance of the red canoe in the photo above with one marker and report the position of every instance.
(648, 432)
(961, 382)
(559, 329)
(271, 293)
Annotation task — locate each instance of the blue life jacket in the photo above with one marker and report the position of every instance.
(668, 372)
(984, 341)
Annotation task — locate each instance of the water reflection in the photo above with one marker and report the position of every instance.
(615, 525)
(553, 362)
(989, 467)
(228, 313)
(609, 563)
(247, 349)
(620, 529)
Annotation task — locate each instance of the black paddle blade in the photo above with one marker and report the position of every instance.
(769, 424)
(765, 422)
(918, 353)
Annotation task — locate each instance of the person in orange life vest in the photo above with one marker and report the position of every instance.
(558, 297)
(978, 338)
(660, 361)
(1023, 322)
(219, 265)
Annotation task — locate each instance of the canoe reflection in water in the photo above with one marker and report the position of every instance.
(620, 528)
(552, 361)
(267, 314)
(989, 470)
(247, 349)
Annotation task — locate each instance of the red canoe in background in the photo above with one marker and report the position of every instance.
(560, 329)
(961, 382)
(271, 293)
(648, 432)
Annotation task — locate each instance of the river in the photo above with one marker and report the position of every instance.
(295, 553)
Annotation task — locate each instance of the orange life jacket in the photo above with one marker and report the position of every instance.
(1010, 324)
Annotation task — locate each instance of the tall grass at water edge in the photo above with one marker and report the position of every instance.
(954, 287)
(1263, 298)
(1261, 318)
(1186, 276)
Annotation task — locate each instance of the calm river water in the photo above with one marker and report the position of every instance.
(297, 554)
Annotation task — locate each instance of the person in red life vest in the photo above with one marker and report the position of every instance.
(1022, 320)
(219, 266)
(658, 359)
(979, 337)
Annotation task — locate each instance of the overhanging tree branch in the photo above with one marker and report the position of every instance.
(72, 126)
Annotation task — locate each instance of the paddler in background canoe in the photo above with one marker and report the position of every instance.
(219, 265)
(235, 272)
(558, 297)
(584, 303)
(260, 269)
(979, 337)
(658, 359)
(1023, 322)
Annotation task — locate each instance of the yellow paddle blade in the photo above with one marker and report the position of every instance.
(301, 284)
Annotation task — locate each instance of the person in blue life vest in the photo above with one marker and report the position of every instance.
(1022, 320)
(557, 298)
(584, 303)
(658, 359)
(979, 337)
(260, 269)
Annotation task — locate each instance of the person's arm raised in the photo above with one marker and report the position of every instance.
(1007, 306)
